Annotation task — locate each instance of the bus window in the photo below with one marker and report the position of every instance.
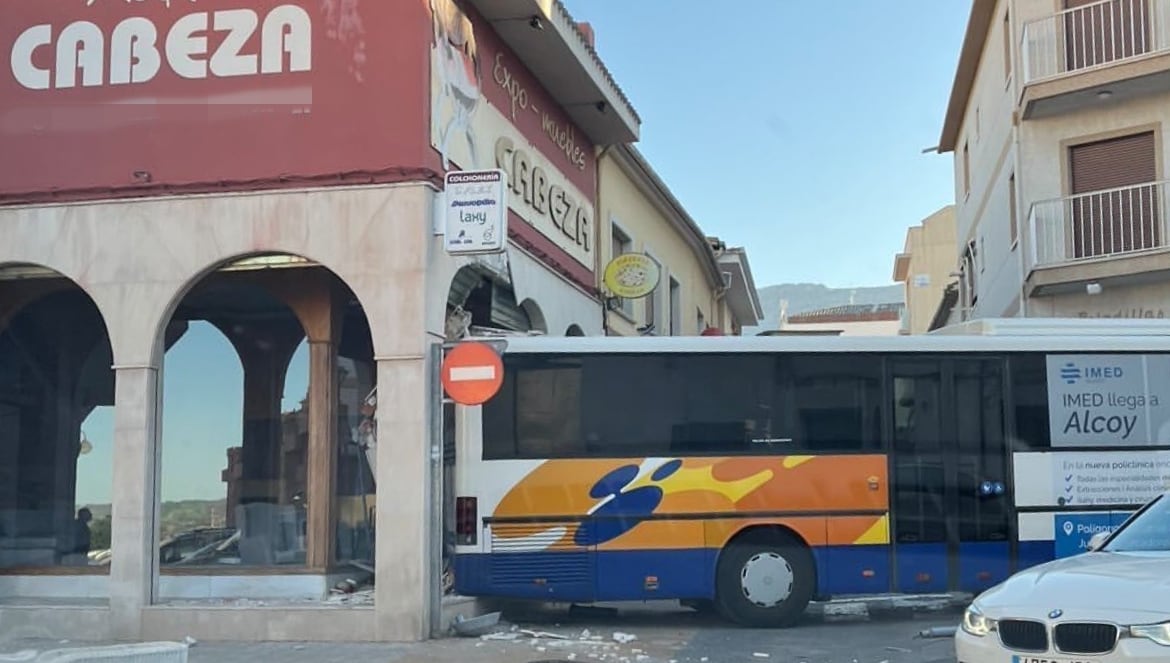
(676, 404)
(836, 401)
(536, 413)
(1029, 380)
(917, 416)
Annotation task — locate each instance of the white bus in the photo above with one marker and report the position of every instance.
(754, 474)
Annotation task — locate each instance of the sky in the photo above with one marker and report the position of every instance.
(792, 128)
(795, 129)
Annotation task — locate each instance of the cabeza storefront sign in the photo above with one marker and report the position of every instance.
(191, 45)
(546, 196)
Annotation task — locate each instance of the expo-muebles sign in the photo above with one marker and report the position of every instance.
(489, 112)
(1109, 400)
(103, 94)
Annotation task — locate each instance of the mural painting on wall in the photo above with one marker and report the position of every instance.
(487, 113)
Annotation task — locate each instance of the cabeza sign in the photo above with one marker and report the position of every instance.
(541, 193)
(192, 45)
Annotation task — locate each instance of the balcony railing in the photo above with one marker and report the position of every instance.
(1087, 226)
(1094, 36)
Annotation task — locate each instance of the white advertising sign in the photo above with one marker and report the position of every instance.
(1113, 478)
(1109, 400)
(475, 205)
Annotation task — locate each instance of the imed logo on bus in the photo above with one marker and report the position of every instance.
(1071, 373)
(196, 45)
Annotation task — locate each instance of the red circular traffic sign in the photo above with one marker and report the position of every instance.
(472, 373)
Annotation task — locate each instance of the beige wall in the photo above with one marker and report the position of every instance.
(930, 259)
(624, 203)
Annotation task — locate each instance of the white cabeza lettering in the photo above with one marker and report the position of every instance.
(134, 56)
(240, 25)
(81, 45)
(26, 73)
(182, 43)
(287, 30)
(469, 373)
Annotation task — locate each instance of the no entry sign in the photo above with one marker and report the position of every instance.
(472, 373)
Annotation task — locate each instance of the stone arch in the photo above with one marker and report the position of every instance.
(536, 321)
(292, 296)
(269, 306)
(481, 298)
(574, 330)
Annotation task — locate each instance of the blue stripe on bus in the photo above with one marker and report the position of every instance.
(983, 565)
(680, 573)
(844, 569)
(1031, 553)
(922, 568)
(621, 575)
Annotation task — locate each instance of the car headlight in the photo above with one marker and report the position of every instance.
(975, 623)
(1159, 633)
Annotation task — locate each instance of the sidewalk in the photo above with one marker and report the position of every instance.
(464, 650)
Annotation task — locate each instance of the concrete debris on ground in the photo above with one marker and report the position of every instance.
(585, 645)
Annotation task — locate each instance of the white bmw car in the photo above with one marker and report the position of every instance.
(1109, 605)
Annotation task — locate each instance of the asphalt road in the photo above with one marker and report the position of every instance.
(642, 634)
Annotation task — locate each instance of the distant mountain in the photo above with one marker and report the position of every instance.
(805, 297)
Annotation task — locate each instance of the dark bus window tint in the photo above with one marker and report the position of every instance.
(1030, 394)
(917, 385)
(727, 406)
(536, 414)
(630, 403)
(835, 400)
(676, 404)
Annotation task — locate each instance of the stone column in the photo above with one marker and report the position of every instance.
(134, 566)
(404, 568)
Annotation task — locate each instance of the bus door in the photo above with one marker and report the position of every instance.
(949, 463)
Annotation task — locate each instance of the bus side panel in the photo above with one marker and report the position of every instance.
(856, 559)
(660, 558)
(923, 568)
(647, 575)
(983, 564)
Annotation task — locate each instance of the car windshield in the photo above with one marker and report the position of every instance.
(1149, 531)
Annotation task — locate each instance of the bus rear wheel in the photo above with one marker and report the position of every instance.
(765, 582)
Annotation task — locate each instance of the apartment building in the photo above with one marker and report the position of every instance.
(703, 286)
(924, 267)
(1057, 123)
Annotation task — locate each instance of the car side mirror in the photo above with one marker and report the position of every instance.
(1097, 541)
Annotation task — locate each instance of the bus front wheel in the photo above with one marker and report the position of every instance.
(765, 582)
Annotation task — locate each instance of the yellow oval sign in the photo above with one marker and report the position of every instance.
(631, 275)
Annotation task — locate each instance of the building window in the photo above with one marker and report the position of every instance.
(675, 308)
(621, 243)
(1114, 203)
(1013, 219)
(966, 170)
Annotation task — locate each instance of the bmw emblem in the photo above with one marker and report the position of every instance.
(1055, 614)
